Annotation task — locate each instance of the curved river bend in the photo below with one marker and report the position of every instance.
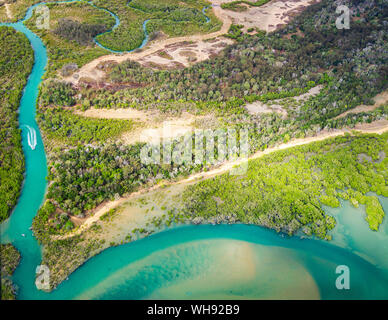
(228, 261)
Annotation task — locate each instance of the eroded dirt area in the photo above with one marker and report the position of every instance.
(277, 105)
(183, 51)
(153, 125)
(379, 100)
(268, 17)
(184, 54)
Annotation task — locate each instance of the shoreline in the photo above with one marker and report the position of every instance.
(227, 18)
(373, 128)
(90, 69)
(378, 127)
(140, 215)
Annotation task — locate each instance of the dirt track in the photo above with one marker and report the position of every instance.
(90, 70)
(379, 100)
(377, 127)
(267, 17)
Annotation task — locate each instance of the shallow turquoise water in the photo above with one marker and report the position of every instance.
(169, 264)
(159, 266)
(36, 171)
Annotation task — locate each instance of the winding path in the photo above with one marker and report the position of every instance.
(377, 127)
(379, 100)
(90, 70)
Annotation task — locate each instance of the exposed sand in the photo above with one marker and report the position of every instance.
(312, 92)
(217, 269)
(169, 129)
(268, 17)
(184, 54)
(175, 187)
(134, 211)
(90, 70)
(8, 10)
(153, 125)
(258, 107)
(379, 100)
(379, 127)
(127, 114)
(5, 12)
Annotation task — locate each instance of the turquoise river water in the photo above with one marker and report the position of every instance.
(225, 261)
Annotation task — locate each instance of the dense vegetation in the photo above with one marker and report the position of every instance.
(83, 177)
(172, 17)
(69, 39)
(16, 60)
(64, 126)
(9, 257)
(274, 67)
(56, 93)
(286, 189)
(239, 4)
(74, 25)
(350, 62)
(82, 33)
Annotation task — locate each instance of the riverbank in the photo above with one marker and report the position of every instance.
(152, 210)
(65, 255)
(377, 127)
(379, 100)
(91, 71)
(10, 258)
(262, 18)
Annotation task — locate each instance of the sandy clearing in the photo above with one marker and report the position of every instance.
(379, 100)
(89, 70)
(377, 127)
(8, 11)
(137, 211)
(312, 92)
(169, 129)
(259, 107)
(121, 113)
(152, 124)
(268, 17)
(184, 54)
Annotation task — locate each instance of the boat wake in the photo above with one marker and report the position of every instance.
(31, 137)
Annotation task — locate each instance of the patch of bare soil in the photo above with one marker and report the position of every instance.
(8, 10)
(126, 114)
(92, 71)
(184, 54)
(379, 100)
(258, 107)
(377, 127)
(151, 124)
(268, 17)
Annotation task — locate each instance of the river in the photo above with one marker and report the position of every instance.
(227, 261)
